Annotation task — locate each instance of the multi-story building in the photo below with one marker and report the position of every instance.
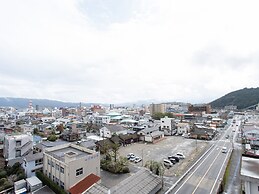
(16, 147)
(157, 108)
(199, 109)
(68, 164)
(102, 119)
(167, 125)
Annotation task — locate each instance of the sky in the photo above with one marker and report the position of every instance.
(115, 51)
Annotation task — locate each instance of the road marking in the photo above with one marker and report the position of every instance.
(219, 172)
(195, 170)
(206, 173)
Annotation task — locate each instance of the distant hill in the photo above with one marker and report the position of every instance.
(24, 103)
(241, 98)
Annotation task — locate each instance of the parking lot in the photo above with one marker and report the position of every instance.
(170, 145)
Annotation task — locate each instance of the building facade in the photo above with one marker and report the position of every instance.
(16, 147)
(68, 164)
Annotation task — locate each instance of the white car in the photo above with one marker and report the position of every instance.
(130, 155)
(137, 159)
(132, 158)
(180, 155)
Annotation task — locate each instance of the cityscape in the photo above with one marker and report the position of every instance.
(129, 97)
(171, 147)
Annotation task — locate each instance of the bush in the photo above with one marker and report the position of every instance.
(3, 174)
(50, 183)
(52, 138)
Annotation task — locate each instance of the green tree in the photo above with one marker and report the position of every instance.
(52, 137)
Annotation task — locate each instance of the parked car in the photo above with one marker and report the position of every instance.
(177, 159)
(167, 163)
(137, 159)
(132, 158)
(129, 155)
(172, 160)
(180, 155)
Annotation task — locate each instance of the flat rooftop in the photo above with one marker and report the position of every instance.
(60, 153)
(249, 169)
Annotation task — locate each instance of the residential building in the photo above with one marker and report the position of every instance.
(108, 130)
(183, 128)
(101, 119)
(32, 162)
(16, 147)
(250, 175)
(157, 108)
(68, 164)
(167, 125)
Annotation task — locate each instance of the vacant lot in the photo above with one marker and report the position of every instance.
(168, 146)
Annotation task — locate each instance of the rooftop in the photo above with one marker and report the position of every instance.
(249, 169)
(84, 184)
(143, 182)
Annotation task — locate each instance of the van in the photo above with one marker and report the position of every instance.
(168, 163)
(224, 150)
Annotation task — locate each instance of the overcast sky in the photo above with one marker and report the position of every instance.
(114, 51)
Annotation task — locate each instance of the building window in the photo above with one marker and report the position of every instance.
(79, 171)
(38, 162)
(52, 163)
(18, 143)
(48, 161)
(53, 178)
(57, 181)
(18, 153)
(61, 169)
(49, 175)
(57, 166)
(62, 184)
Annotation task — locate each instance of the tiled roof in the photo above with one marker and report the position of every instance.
(97, 189)
(84, 184)
(143, 182)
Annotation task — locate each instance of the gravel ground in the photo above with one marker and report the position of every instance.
(170, 145)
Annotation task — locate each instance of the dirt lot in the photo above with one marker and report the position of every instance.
(168, 146)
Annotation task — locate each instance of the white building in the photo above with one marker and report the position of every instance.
(250, 175)
(183, 128)
(167, 125)
(16, 147)
(68, 164)
(101, 119)
(108, 130)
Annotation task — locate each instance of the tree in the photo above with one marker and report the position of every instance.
(155, 167)
(52, 137)
(114, 149)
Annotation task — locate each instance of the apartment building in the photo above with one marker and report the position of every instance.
(16, 147)
(31, 163)
(157, 108)
(69, 164)
(102, 119)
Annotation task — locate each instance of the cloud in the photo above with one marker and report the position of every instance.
(120, 51)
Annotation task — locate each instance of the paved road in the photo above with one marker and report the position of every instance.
(207, 174)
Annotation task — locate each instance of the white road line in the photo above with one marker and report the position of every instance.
(206, 173)
(195, 170)
(219, 172)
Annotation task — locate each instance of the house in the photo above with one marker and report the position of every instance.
(70, 136)
(108, 130)
(202, 132)
(183, 128)
(250, 175)
(151, 134)
(68, 164)
(16, 147)
(32, 162)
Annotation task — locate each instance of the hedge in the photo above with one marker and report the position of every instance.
(47, 181)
